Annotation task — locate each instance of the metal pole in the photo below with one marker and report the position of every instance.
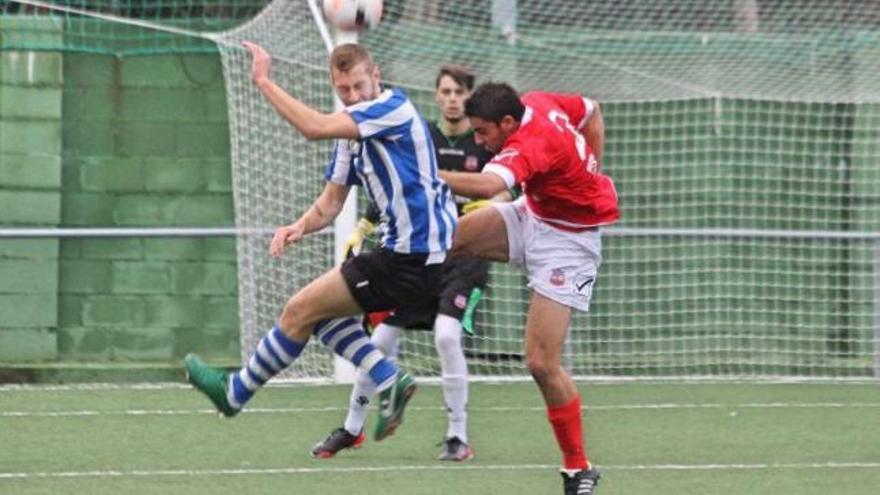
(343, 370)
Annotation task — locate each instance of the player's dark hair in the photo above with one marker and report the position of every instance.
(492, 101)
(346, 56)
(459, 73)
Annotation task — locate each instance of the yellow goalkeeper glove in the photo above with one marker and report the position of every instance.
(355, 242)
(475, 205)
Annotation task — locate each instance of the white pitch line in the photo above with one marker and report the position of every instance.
(470, 467)
(300, 410)
(494, 381)
(82, 387)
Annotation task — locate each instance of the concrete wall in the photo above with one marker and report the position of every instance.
(95, 140)
(30, 195)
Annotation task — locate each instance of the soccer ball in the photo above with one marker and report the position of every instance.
(352, 15)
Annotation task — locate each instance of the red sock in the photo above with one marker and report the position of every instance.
(566, 422)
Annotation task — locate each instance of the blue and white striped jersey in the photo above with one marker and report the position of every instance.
(395, 163)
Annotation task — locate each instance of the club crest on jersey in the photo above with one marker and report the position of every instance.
(460, 301)
(557, 277)
(471, 163)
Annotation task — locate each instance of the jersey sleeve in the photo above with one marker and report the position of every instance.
(382, 116)
(577, 107)
(510, 165)
(341, 169)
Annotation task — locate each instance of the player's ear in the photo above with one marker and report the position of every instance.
(508, 124)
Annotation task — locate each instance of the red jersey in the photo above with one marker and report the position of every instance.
(555, 166)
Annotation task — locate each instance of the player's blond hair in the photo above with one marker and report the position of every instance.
(346, 56)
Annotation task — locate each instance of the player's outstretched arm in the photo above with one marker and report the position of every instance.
(594, 131)
(484, 185)
(321, 214)
(311, 123)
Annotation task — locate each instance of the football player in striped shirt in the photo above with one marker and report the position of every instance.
(384, 146)
(464, 280)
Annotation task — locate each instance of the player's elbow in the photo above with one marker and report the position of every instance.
(312, 133)
(316, 128)
(593, 120)
(326, 129)
(596, 111)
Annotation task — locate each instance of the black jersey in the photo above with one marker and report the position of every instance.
(458, 153)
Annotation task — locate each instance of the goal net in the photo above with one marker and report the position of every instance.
(743, 136)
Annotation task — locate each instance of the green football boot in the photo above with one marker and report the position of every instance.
(209, 381)
(467, 318)
(392, 402)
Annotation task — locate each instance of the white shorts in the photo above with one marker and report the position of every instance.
(561, 265)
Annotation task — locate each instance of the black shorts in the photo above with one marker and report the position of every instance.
(380, 280)
(460, 277)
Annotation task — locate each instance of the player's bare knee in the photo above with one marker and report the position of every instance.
(288, 316)
(458, 248)
(294, 321)
(463, 244)
(540, 370)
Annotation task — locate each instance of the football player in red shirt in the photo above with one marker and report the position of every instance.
(550, 144)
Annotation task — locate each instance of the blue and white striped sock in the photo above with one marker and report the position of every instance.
(275, 352)
(347, 338)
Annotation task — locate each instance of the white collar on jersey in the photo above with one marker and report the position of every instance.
(527, 115)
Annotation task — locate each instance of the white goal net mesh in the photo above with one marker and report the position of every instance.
(744, 137)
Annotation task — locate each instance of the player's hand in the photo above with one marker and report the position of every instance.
(355, 241)
(261, 62)
(284, 236)
(475, 205)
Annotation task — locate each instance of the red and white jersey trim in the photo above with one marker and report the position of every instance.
(503, 172)
(588, 104)
(567, 226)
